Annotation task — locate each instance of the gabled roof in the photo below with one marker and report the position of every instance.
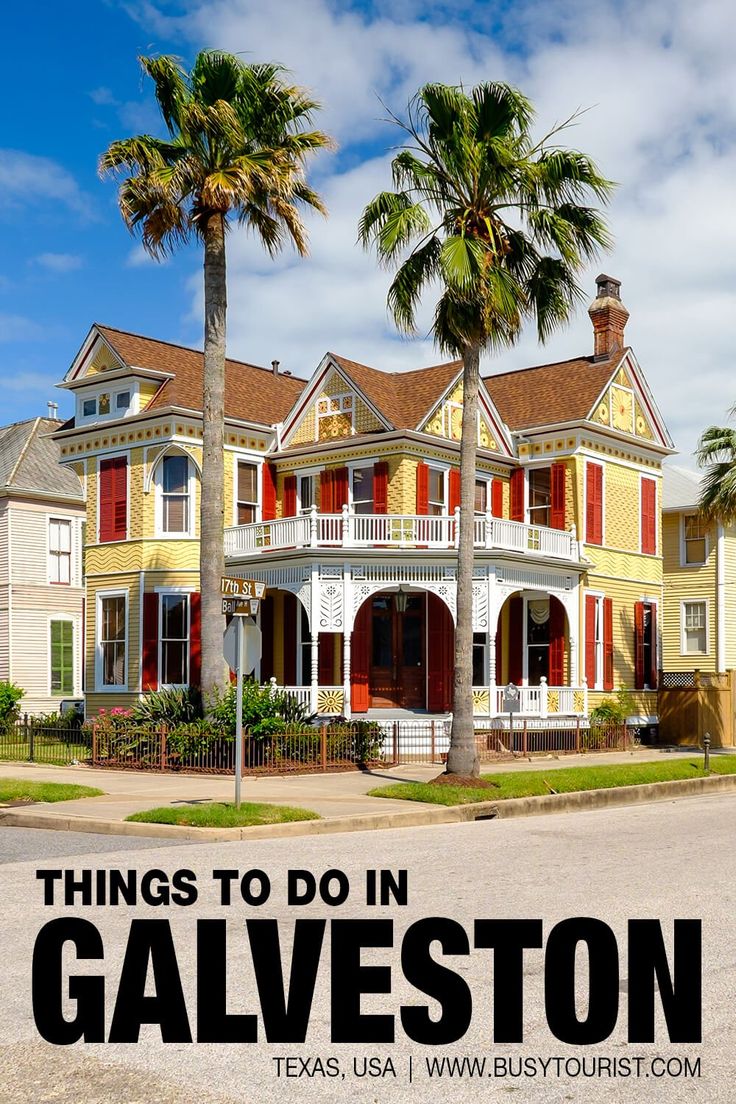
(680, 488)
(403, 398)
(548, 394)
(252, 393)
(29, 460)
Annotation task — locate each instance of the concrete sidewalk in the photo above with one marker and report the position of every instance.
(330, 795)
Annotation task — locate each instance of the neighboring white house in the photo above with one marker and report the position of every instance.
(42, 515)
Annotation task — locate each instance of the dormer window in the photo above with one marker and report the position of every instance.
(89, 408)
(122, 402)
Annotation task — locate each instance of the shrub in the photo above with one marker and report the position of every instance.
(357, 741)
(10, 696)
(171, 706)
(264, 712)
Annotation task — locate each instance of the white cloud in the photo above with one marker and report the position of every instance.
(59, 262)
(15, 327)
(138, 258)
(27, 179)
(658, 79)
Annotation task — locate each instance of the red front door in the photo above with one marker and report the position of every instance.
(397, 651)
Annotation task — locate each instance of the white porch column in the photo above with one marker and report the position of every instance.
(543, 698)
(346, 670)
(314, 627)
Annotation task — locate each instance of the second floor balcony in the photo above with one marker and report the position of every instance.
(435, 532)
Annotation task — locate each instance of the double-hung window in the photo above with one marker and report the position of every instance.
(437, 492)
(481, 496)
(694, 540)
(61, 653)
(306, 493)
(694, 628)
(363, 490)
(246, 504)
(174, 638)
(112, 639)
(176, 508)
(60, 551)
(540, 496)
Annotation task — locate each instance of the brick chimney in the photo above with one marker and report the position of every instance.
(609, 317)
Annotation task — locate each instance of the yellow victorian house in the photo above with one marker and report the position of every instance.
(342, 493)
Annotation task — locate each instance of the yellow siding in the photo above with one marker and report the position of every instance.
(146, 392)
(625, 592)
(130, 583)
(729, 560)
(681, 583)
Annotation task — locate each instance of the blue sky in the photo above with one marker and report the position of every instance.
(657, 77)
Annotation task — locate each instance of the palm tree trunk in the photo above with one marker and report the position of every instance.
(211, 546)
(463, 757)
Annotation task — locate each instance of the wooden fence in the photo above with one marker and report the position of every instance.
(687, 712)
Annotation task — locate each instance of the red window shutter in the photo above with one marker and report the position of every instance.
(380, 487)
(195, 639)
(516, 638)
(639, 672)
(360, 660)
(556, 642)
(422, 488)
(594, 504)
(557, 496)
(648, 517)
(340, 477)
(517, 494)
(326, 659)
(653, 673)
(608, 644)
(497, 498)
(440, 655)
(326, 491)
(268, 495)
(113, 502)
(290, 615)
(290, 500)
(591, 665)
(454, 489)
(149, 659)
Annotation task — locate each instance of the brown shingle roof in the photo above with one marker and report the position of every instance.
(550, 393)
(404, 398)
(252, 393)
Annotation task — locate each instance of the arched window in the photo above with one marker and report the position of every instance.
(174, 495)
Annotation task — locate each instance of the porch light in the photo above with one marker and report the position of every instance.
(402, 600)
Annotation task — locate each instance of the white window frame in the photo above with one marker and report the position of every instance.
(482, 477)
(305, 473)
(445, 469)
(179, 592)
(116, 387)
(694, 602)
(546, 463)
(357, 466)
(257, 461)
(158, 483)
(329, 399)
(54, 557)
(73, 621)
(117, 688)
(683, 542)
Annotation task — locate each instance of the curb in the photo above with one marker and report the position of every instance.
(423, 815)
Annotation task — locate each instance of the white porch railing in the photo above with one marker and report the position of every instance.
(349, 530)
(542, 702)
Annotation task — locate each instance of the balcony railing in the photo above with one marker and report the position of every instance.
(440, 531)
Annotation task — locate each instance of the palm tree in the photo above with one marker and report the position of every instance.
(236, 147)
(500, 224)
(717, 451)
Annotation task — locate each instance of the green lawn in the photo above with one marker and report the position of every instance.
(524, 783)
(217, 814)
(51, 752)
(17, 789)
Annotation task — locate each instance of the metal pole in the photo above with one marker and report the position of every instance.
(239, 715)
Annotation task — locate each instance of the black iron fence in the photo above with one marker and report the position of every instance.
(301, 749)
(31, 740)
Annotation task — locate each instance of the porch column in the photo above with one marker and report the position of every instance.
(346, 670)
(315, 672)
(314, 629)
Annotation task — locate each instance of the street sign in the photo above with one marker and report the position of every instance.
(251, 645)
(241, 607)
(232, 586)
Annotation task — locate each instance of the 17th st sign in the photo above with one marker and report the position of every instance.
(241, 597)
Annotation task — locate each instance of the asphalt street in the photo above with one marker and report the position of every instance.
(664, 861)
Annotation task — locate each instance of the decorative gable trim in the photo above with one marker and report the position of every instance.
(487, 410)
(91, 344)
(641, 392)
(309, 395)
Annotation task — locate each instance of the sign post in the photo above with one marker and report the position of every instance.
(242, 648)
(511, 705)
